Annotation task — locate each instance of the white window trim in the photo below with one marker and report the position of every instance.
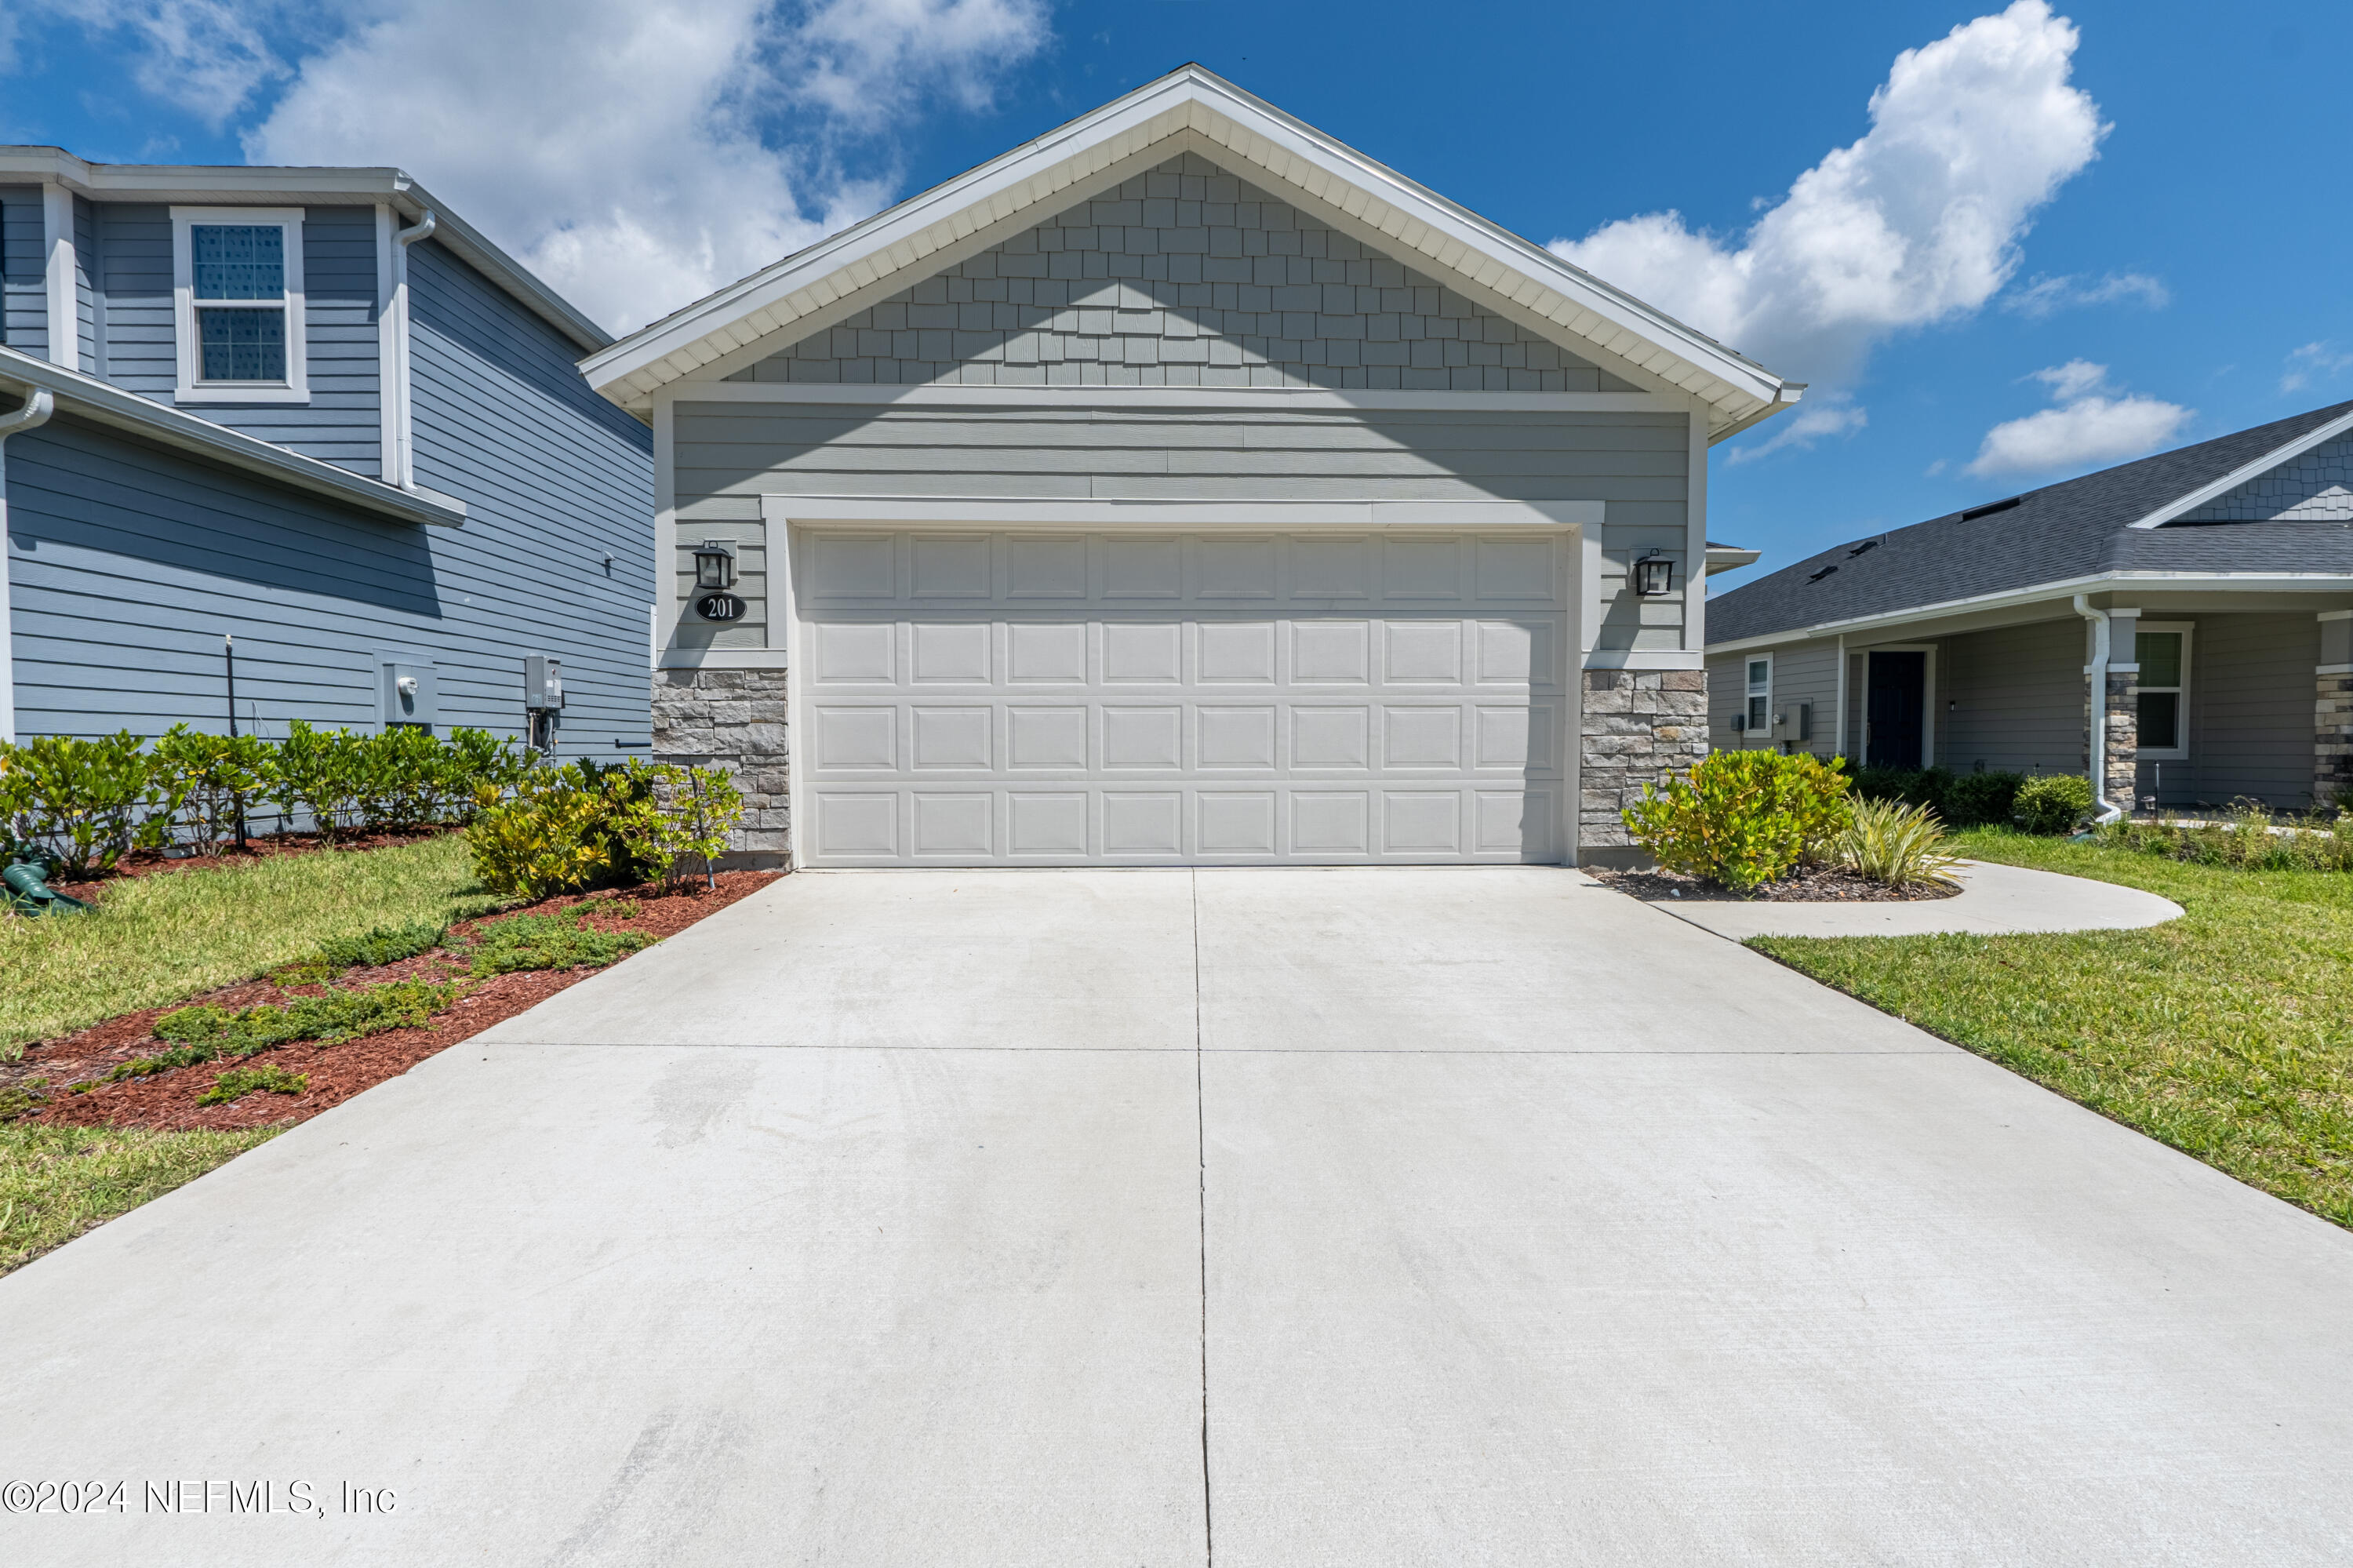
(1748, 694)
(297, 385)
(2188, 629)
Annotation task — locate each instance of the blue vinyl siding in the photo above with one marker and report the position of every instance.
(128, 562)
(553, 477)
(135, 270)
(24, 302)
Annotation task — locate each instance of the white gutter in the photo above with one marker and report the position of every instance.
(38, 406)
(2108, 810)
(102, 402)
(399, 459)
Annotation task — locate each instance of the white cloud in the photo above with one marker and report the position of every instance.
(1918, 222)
(2047, 296)
(207, 57)
(2089, 427)
(1817, 419)
(2312, 362)
(625, 149)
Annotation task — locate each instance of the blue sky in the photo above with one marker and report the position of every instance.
(2144, 193)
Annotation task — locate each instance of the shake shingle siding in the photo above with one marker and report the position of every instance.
(2077, 528)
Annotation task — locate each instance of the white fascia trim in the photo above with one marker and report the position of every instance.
(2064, 588)
(87, 397)
(189, 389)
(169, 184)
(2214, 489)
(1174, 516)
(958, 396)
(61, 302)
(1412, 220)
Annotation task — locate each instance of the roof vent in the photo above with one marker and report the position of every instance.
(1859, 549)
(1820, 575)
(1990, 508)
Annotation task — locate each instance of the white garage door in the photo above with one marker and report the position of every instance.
(1012, 698)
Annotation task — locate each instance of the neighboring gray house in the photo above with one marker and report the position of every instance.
(1183, 486)
(2201, 602)
(312, 408)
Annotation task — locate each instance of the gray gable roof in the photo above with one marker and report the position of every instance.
(2078, 528)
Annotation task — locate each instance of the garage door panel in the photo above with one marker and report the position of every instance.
(1058, 699)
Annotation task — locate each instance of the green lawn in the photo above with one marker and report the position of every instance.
(159, 940)
(57, 1182)
(2227, 1033)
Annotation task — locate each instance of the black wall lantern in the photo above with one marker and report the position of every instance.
(714, 565)
(1654, 575)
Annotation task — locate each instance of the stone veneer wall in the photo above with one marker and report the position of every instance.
(1640, 725)
(734, 719)
(2332, 738)
(2123, 755)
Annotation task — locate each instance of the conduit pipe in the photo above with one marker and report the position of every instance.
(2108, 810)
(39, 404)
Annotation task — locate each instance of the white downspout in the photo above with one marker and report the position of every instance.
(400, 467)
(2109, 812)
(38, 406)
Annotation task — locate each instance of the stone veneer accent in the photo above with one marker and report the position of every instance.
(1640, 725)
(734, 719)
(2332, 738)
(2123, 756)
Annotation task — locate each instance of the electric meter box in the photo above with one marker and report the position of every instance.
(543, 682)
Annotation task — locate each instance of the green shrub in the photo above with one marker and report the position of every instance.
(339, 1015)
(1913, 786)
(554, 834)
(1899, 844)
(556, 940)
(686, 812)
(216, 775)
(239, 1081)
(1742, 818)
(1978, 800)
(87, 803)
(2051, 803)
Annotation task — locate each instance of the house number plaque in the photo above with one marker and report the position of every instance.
(719, 607)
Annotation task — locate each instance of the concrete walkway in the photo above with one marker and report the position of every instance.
(1994, 900)
(1249, 1217)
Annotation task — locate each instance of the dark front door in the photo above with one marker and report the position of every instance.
(1895, 707)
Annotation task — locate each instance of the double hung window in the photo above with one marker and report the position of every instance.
(238, 277)
(1760, 697)
(2163, 654)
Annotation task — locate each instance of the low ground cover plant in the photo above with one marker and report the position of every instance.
(218, 1033)
(561, 939)
(1742, 818)
(2244, 839)
(238, 1082)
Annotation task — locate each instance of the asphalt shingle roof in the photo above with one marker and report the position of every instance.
(2077, 527)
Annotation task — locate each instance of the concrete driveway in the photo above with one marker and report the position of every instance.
(1254, 1217)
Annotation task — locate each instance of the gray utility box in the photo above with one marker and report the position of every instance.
(406, 690)
(543, 682)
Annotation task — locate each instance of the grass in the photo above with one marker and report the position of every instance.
(159, 940)
(57, 1182)
(2227, 1033)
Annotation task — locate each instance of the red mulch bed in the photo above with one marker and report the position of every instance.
(168, 1100)
(152, 863)
(1822, 885)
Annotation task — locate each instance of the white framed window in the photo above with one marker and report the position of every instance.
(2161, 648)
(1759, 717)
(236, 304)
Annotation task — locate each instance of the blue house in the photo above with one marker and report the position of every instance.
(312, 410)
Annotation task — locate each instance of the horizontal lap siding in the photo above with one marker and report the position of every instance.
(2251, 711)
(339, 424)
(87, 308)
(729, 454)
(2022, 699)
(135, 261)
(1802, 673)
(24, 300)
(554, 478)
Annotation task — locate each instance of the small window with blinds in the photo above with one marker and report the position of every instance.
(238, 277)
